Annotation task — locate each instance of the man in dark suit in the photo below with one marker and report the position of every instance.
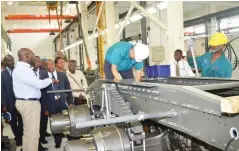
(44, 119)
(55, 103)
(8, 99)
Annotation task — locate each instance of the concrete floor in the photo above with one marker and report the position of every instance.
(7, 131)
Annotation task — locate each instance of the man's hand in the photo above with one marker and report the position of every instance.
(138, 74)
(80, 96)
(55, 81)
(116, 80)
(189, 53)
(4, 109)
(70, 105)
(46, 113)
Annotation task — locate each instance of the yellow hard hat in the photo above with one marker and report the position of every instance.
(218, 39)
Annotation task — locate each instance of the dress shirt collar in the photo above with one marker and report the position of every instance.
(175, 62)
(9, 70)
(70, 72)
(24, 64)
(54, 73)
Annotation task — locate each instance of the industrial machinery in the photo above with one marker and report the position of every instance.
(163, 114)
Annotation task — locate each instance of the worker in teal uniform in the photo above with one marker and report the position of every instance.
(122, 57)
(214, 63)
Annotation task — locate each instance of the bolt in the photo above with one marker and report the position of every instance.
(212, 140)
(231, 148)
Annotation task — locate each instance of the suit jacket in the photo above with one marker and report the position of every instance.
(48, 101)
(7, 94)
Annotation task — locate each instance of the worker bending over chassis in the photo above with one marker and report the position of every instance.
(122, 57)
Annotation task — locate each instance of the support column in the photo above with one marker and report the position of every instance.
(207, 23)
(171, 39)
(212, 26)
(175, 32)
(110, 22)
(81, 53)
(84, 25)
(143, 25)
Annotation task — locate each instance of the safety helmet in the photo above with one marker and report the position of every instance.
(218, 39)
(141, 52)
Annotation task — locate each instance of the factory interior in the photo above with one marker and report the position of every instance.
(124, 75)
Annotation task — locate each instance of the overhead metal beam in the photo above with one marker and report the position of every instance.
(225, 3)
(124, 22)
(219, 15)
(32, 30)
(90, 8)
(38, 17)
(141, 9)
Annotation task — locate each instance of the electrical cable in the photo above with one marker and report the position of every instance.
(61, 39)
(228, 144)
(230, 53)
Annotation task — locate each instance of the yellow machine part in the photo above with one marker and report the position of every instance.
(101, 39)
(52, 7)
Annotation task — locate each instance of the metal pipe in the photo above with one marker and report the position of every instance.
(194, 61)
(32, 30)
(124, 22)
(69, 90)
(149, 15)
(137, 117)
(37, 17)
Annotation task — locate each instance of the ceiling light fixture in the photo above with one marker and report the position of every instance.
(151, 10)
(162, 5)
(133, 18)
(10, 2)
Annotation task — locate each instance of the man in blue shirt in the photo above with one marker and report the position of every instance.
(214, 63)
(122, 57)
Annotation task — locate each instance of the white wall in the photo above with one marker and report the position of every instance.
(40, 43)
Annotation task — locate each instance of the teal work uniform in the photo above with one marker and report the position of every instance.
(221, 67)
(119, 55)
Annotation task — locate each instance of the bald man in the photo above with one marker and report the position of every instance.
(26, 87)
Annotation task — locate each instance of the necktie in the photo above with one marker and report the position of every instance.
(177, 70)
(55, 87)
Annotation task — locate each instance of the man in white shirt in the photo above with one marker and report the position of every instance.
(78, 81)
(26, 87)
(180, 67)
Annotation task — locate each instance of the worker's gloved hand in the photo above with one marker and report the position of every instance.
(116, 80)
(46, 113)
(189, 53)
(55, 81)
(4, 109)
